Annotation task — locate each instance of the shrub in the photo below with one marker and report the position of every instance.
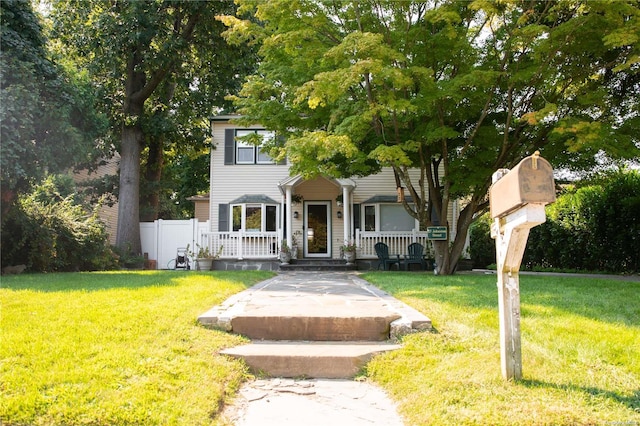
(592, 228)
(482, 247)
(49, 231)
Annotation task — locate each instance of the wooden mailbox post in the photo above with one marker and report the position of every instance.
(517, 199)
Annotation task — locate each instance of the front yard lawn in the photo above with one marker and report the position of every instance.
(119, 348)
(580, 352)
(115, 348)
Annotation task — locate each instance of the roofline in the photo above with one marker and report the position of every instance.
(224, 117)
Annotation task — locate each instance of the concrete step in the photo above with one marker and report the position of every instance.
(330, 360)
(314, 327)
(317, 265)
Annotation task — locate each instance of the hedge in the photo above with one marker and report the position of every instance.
(595, 227)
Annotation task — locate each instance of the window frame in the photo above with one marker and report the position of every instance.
(264, 213)
(257, 154)
(378, 218)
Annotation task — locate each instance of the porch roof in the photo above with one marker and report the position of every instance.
(376, 199)
(254, 198)
(292, 181)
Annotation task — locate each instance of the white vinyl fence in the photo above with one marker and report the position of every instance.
(161, 239)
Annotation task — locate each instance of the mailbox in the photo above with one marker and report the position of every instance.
(530, 182)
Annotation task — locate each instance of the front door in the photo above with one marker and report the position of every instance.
(317, 229)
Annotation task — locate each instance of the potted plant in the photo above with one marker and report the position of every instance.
(349, 251)
(203, 257)
(285, 253)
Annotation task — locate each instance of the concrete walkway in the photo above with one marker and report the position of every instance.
(318, 401)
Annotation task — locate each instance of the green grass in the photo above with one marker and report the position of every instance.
(124, 348)
(115, 348)
(580, 352)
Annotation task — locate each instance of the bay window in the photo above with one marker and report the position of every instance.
(254, 217)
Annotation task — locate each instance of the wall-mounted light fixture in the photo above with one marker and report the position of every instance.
(339, 214)
(295, 215)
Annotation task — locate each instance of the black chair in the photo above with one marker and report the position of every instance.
(415, 256)
(382, 250)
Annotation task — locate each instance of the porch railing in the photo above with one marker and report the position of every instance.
(242, 245)
(398, 241)
(266, 245)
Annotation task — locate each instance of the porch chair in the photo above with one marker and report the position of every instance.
(382, 250)
(415, 256)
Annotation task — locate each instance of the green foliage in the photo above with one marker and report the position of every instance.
(47, 115)
(183, 71)
(49, 231)
(455, 88)
(595, 227)
(481, 247)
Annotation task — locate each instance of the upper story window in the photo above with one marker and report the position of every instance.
(249, 153)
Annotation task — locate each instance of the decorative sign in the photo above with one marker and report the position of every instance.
(437, 232)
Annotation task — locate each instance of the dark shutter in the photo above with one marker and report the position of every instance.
(223, 217)
(229, 146)
(356, 218)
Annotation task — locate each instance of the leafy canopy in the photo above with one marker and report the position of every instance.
(456, 89)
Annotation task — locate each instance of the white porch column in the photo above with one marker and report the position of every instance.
(346, 217)
(288, 215)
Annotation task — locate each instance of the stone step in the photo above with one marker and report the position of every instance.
(330, 360)
(317, 265)
(316, 328)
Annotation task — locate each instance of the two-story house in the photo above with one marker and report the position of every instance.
(255, 204)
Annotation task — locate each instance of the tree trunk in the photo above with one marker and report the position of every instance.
(150, 202)
(128, 231)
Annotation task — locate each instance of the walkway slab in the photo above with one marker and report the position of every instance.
(330, 297)
(286, 402)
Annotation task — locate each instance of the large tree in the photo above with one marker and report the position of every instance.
(149, 56)
(48, 123)
(456, 89)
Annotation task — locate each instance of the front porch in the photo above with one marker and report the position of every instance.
(251, 250)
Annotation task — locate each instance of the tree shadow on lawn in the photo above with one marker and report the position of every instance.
(595, 298)
(99, 281)
(632, 402)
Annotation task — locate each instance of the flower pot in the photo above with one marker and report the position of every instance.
(204, 264)
(285, 257)
(350, 257)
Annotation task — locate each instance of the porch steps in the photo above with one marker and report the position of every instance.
(313, 324)
(314, 327)
(318, 265)
(330, 360)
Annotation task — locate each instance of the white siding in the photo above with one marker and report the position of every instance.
(229, 182)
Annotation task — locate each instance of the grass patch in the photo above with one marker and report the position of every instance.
(580, 351)
(111, 348)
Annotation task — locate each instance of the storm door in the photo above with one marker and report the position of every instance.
(317, 229)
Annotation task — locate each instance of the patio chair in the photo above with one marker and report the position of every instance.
(382, 250)
(415, 256)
